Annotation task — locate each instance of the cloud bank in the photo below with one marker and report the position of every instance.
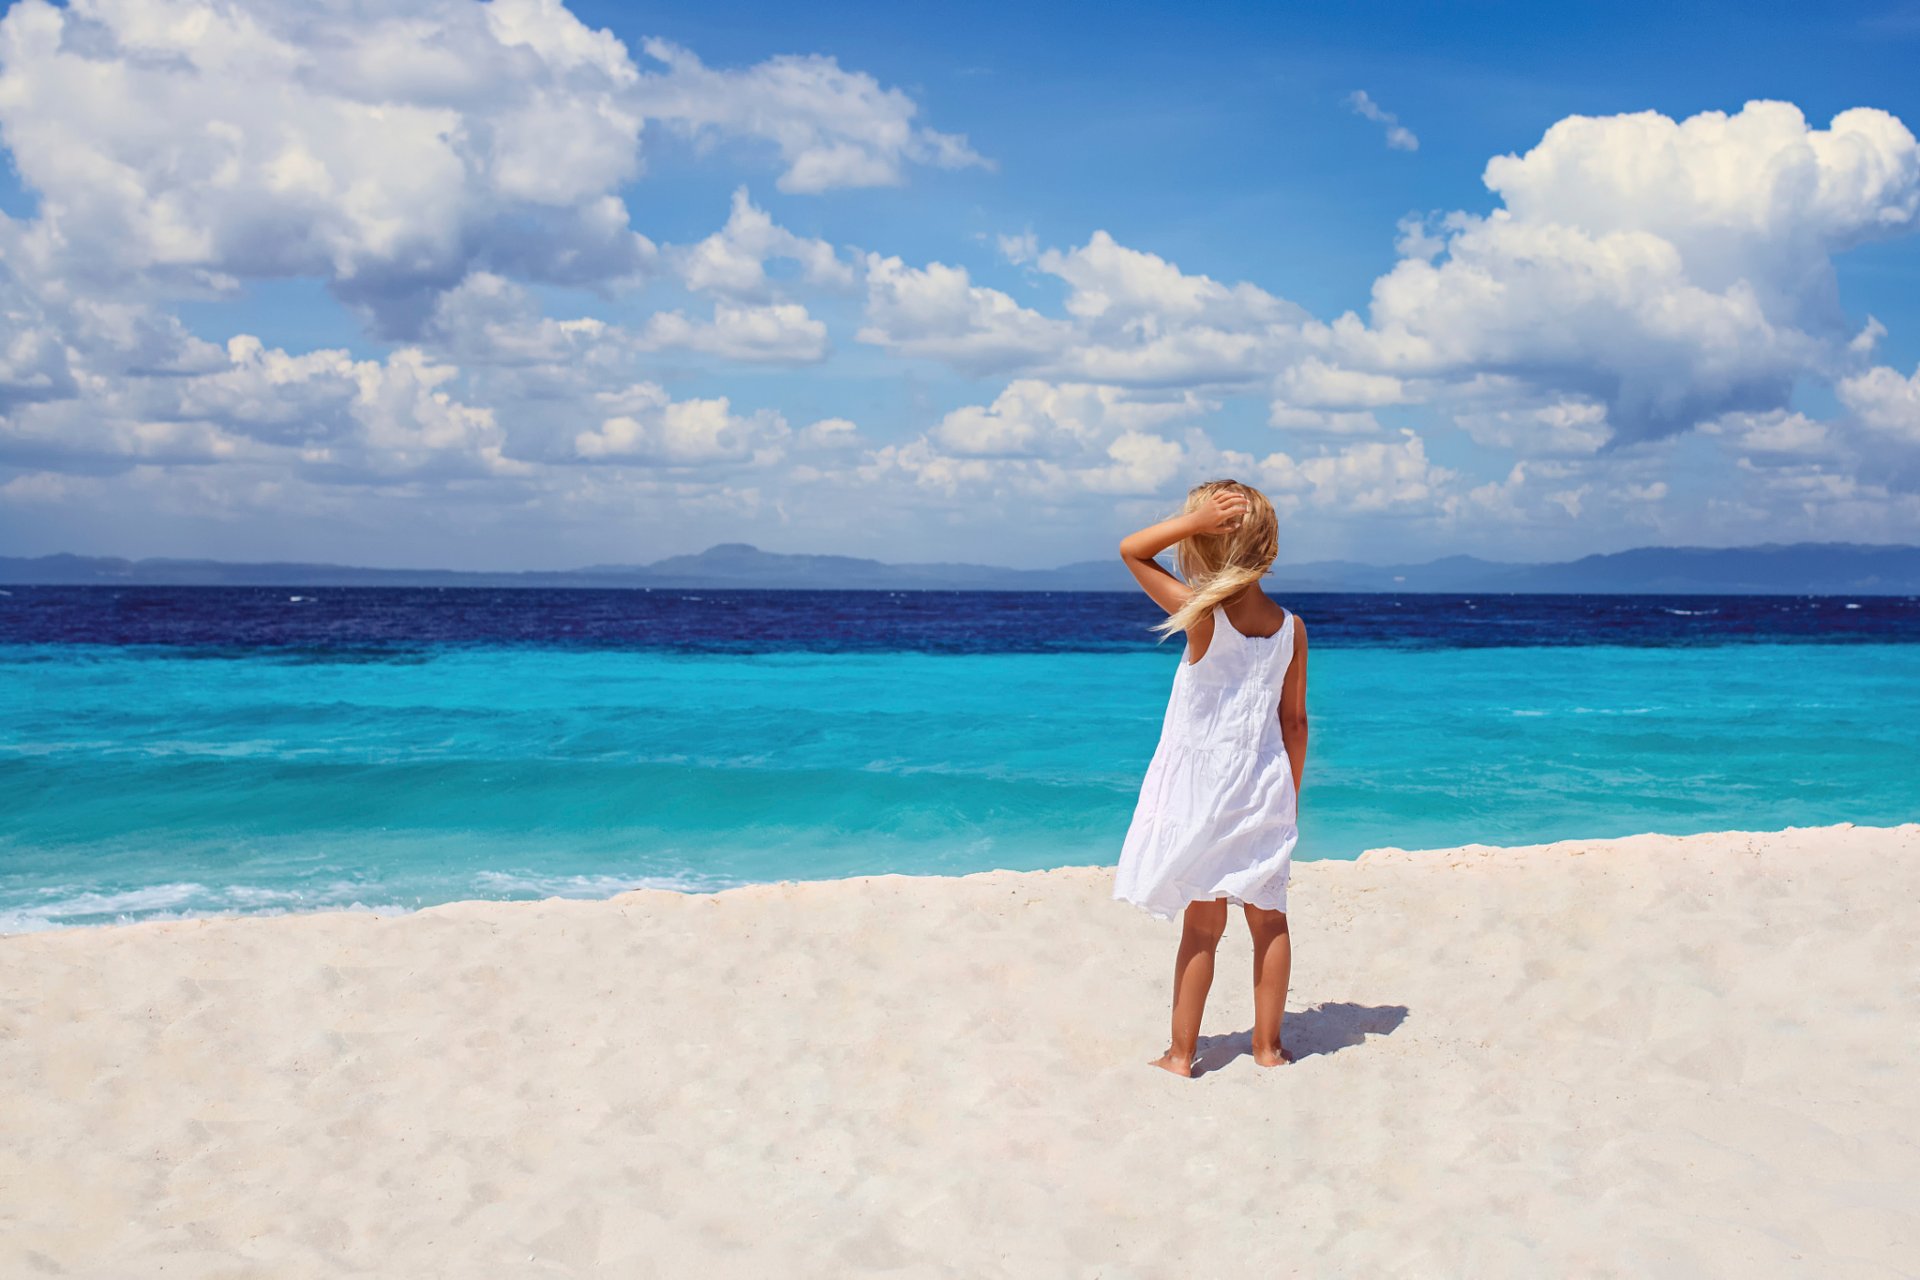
(1644, 326)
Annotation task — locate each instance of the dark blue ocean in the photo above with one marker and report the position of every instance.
(175, 751)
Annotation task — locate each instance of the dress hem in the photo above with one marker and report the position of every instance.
(1232, 899)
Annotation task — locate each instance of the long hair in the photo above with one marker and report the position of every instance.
(1218, 566)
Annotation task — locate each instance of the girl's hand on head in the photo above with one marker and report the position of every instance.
(1222, 511)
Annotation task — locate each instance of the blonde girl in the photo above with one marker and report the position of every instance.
(1216, 820)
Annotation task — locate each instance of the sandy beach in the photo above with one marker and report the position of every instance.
(1649, 1056)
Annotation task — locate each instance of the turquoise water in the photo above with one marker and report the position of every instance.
(140, 782)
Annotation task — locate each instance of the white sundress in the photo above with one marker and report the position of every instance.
(1216, 815)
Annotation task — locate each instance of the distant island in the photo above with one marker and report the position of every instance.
(1803, 568)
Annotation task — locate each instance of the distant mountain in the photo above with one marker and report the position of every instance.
(1805, 568)
(736, 564)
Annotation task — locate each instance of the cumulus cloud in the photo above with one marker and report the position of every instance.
(384, 152)
(1033, 418)
(1672, 272)
(1885, 401)
(1128, 290)
(778, 333)
(647, 426)
(937, 311)
(1399, 137)
(833, 127)
(33, 359)
(1038, 437)
(1643, 276)
(491, 321)
(1019, 249)
(1315, 384)
(1133, 318)
(1644, 286)
(1779, 437)
(830, 435)
(1373, 477)
(322, 414)
(1867, 452)
(1575, 428)
(391, 151)
(733, 260)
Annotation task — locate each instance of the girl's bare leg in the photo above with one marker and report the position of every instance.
(1192, 977)
(1272, 969)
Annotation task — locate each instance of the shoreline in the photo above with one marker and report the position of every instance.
(1656, 1054)
(1572, 846)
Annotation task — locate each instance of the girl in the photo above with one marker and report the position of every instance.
(1216, 818)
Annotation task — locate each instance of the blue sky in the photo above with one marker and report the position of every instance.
(517, 285)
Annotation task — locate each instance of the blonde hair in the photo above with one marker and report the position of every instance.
(1218, 566)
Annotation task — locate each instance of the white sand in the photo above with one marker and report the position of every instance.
(1647, 1057)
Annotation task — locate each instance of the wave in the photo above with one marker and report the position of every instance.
(72, 906)
(69, 906)
(523, 883)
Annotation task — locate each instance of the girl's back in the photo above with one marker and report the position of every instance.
(1216, 813)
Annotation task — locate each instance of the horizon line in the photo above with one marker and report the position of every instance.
(610, 567)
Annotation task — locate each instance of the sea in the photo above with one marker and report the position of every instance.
(170, 752)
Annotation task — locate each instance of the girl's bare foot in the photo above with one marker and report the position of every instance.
(1271, 1057)
(1171, 1061)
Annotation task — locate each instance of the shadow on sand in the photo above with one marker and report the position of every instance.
(1325, 1028)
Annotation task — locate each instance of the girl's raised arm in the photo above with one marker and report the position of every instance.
(1217, 513)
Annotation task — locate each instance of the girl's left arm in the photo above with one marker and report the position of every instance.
(1293, 707)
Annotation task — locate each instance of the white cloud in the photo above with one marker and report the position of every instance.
(1319, 422)
(491, 321)
(1777, 436)
(1399, 137)
(1643, 277)
(1567, 427)
(1120, 288)
(50, 487)
(1019, 249)
(833, 127)
(391, 151)
(1059, 439)
(1867, 340)
(384, 152)
(937, 311)
(33, 359)
(1370, 477)
(1134, 319)
(647, 426)
(323, 414)
(1140, 462)
(829, 434)
(1033, 418)
(732, 261)
(408, 424)
(1885, 401)
(1315, 384)
(780, 333)
(1671, 271)
(1644, 282)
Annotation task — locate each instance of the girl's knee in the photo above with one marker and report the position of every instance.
(1206, 921)
(1262, 921)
